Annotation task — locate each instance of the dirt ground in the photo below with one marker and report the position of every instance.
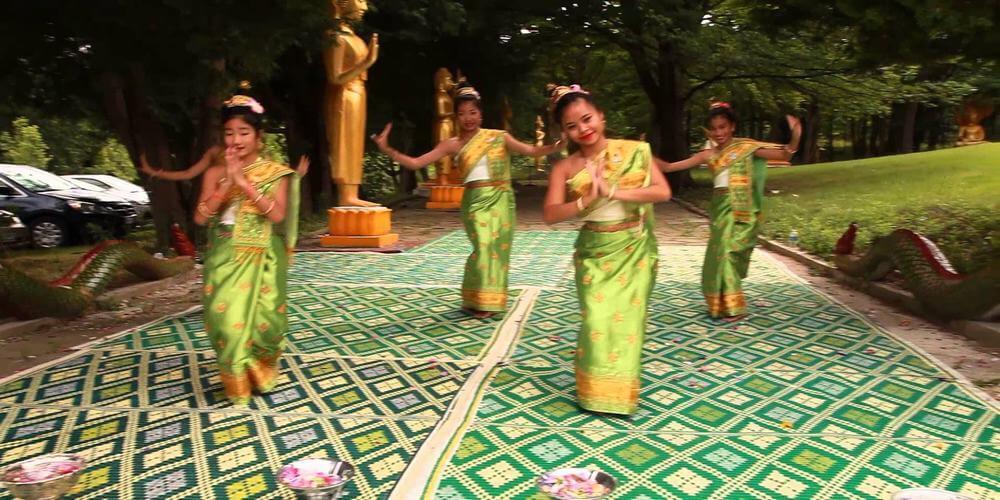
(416, 225)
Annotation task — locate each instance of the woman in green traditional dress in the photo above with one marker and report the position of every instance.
(739, 168)
(247, 259)
(488, 212)
(610, 185)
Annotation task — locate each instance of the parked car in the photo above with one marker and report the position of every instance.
(119, 187)
(13, 232)
(56, 212)
(143, 212)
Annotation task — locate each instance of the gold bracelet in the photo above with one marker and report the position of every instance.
(611, 192)
(273, 203)
(259, 196)
(579, 204)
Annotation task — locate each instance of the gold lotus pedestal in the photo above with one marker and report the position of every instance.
(359, 227)
(446, 196)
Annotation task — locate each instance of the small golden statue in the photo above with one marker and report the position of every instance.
(444, 123)
(347, 61)
(969, 130)
(539, 141)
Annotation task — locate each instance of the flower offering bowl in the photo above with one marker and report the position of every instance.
(45, 477)
(316, 478)
(565, 484)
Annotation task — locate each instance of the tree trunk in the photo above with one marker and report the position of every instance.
(873, 136)
(830, 140)
(859, 138)
(907, 126)
(883, 135)
(306, 133)
(668, 113)
(126, 106)
(809, 150)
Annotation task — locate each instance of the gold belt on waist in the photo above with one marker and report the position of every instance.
(482, 184)
(598, 227)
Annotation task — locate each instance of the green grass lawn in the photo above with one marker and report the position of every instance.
(951, 196)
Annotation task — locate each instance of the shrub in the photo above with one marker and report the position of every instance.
(380, 177)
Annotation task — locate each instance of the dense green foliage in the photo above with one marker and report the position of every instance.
(24, 144)
(113, 159)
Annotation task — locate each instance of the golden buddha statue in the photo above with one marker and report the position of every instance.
(970, 132)
(347, 61)
(444, 121)
(539, 141)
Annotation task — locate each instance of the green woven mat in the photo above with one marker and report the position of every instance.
(193, 454)
(411, 269)
(329, 386)
(369, 371)
(683, 264)
(526, 243)
(496, 461)
(805, 399)
(349, 321)
(791, 328)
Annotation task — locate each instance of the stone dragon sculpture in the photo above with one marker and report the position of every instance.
(73, 294)
(926, 272)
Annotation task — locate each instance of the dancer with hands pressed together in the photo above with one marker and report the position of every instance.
(246, 263)
(611, 185)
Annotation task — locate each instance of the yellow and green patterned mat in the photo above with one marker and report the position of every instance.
(806, 399)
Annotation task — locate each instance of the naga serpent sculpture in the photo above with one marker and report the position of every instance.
(927, 274)
(73, 294)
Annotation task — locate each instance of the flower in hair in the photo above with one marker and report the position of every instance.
(245, 101)
(468, 91)
(557, 92)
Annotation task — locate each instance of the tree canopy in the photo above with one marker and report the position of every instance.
(868, 77)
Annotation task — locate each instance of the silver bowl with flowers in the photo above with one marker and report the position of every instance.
(316, 478)
(45, 477)
(576, 483)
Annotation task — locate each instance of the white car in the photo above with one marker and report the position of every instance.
(118, 187)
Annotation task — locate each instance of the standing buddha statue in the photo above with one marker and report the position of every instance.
(444, 121)
(347, 61)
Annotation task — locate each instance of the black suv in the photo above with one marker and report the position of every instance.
(56, 212)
